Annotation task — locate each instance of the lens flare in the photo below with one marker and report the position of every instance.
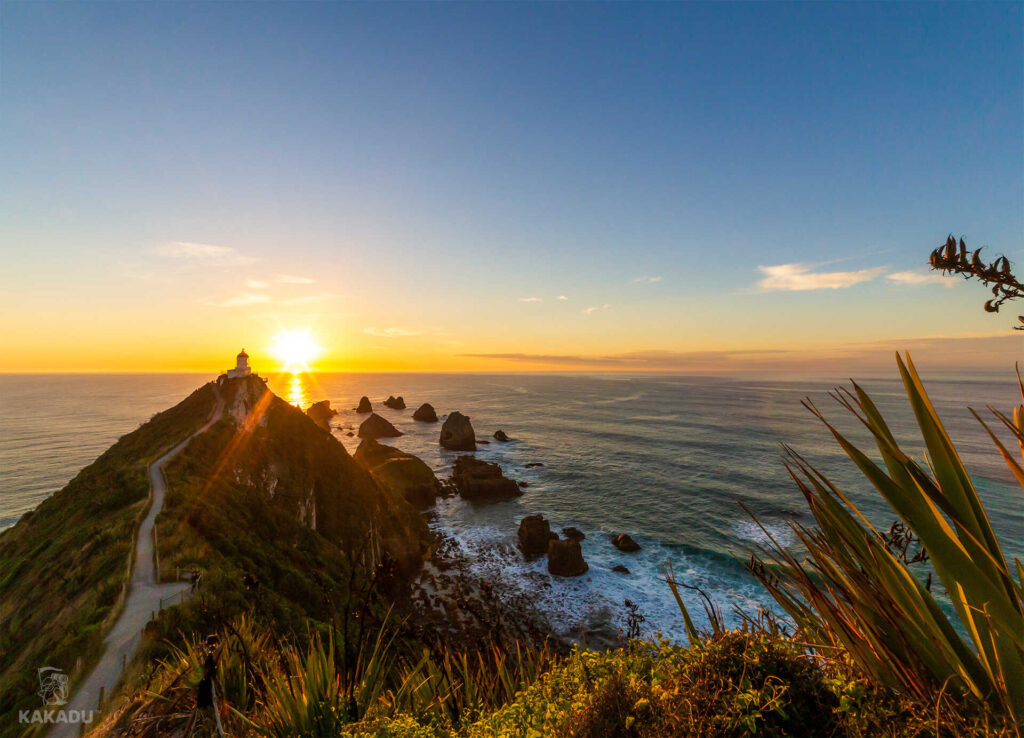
(295, 349)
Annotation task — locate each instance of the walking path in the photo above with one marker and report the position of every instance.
(144, 597)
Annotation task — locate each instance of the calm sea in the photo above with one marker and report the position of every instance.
(663, 458)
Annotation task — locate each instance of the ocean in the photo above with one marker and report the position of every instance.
(666, 459)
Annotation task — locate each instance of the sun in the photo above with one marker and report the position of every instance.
(295, 348)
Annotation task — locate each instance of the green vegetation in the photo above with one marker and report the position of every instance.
(857, 593)
(998, 276)
(65, 565)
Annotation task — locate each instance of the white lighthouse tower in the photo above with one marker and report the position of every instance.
(241, 366)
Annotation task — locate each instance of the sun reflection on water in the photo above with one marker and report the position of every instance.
(297, 390)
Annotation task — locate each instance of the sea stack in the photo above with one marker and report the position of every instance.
(565, 559)
(479, 481)
(395, 403)
(376, 427)
(499, 435)
(534, 534)
(457, 433)
(321, 413)
(364, 405)
(425, 413)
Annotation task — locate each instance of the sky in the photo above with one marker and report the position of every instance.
(502, 187)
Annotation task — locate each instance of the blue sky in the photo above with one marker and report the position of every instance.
(440, 174)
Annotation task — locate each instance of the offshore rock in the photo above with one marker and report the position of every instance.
(479, 481)
(364, 405)
(565, 559)
(425, 413)
(534, 534)
(499, 435)
(376, 427)
(321, 413)
(457, 433)
(624, 543)
(573, 534)
(395, 403)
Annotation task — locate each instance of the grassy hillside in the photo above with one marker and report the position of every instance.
(65, 564)
(283, 524)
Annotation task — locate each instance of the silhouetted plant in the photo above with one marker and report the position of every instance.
(634, 619)
(953, 259)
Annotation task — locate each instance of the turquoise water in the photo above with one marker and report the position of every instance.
(663, 458)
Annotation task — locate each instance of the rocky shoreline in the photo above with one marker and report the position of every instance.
(450, 600)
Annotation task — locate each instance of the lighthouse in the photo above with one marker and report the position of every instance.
(241, 366)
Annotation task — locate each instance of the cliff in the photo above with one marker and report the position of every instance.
(275, 514)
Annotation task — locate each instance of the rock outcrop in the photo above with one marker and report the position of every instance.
(377, 427)
(499, 435)
(321, 413)
(534, 534)
(565, 558)
(457, 433)
(395, 403)
(479, 481)
(402, 473)
(620, 569)
(364, 405)
(624, 543)
(425, 413)
(573, 534)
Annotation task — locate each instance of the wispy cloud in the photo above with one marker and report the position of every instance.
(257, 285)
(245, 298)
(594, 308)
(305, 299)
(562, 297)
(981, 353)
(646, 280)
(293, 279)
(205, 253)
(922, 278)
(637, 359)
(799, 278)
(531, 299)
(395, 332)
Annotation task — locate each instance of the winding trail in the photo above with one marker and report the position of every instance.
(144, 596)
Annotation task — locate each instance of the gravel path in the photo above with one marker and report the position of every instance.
(144, 596)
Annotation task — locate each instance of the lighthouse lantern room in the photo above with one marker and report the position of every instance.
(241, 366)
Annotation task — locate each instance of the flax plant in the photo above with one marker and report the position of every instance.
(852, 592)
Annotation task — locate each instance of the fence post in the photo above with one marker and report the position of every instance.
(99, 705)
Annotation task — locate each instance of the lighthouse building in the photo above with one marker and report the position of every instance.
(241, 366)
